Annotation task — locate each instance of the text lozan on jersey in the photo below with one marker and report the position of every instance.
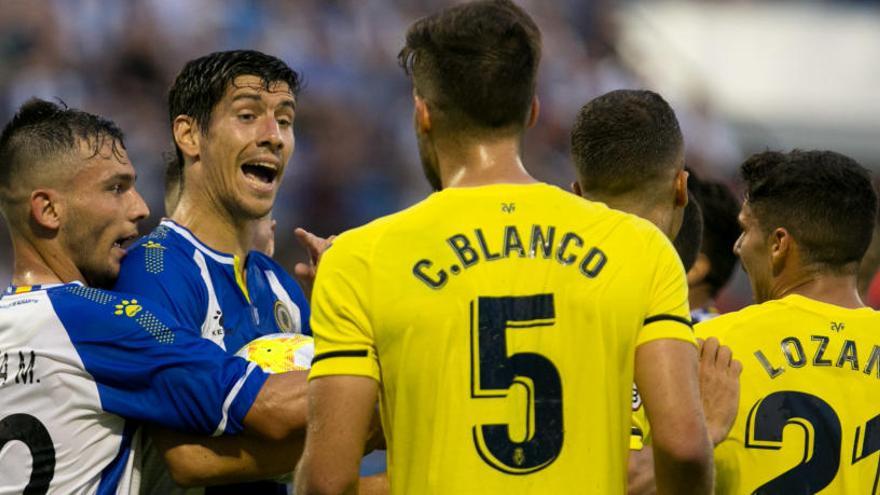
(540, 242)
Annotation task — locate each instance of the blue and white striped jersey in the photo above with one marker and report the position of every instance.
(81, 368)
(203, 288)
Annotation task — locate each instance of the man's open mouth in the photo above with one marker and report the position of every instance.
(261, 172)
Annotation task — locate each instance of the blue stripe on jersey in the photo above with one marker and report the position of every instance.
(113, 472)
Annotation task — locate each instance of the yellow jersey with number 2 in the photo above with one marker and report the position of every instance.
(501, 322)
(809, 410)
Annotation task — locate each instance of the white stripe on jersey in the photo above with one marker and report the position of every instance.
(284, 297)
(221, 427)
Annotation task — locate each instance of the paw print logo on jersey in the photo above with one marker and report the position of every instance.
(128, 308)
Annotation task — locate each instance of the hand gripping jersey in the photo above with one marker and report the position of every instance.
(502, 323)
(205, 290)
(809, 408)
(81, 367)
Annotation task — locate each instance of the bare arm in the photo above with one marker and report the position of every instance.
(195, 460)
(640, 472)
(667, 377)
(719, 393)
(270, 446)
(340, 410)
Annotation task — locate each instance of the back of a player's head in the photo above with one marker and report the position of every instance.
(203, 82)
(624, 141)
(43, 144)
(687, 242)
(720, 230)
(476, 65)
(825, 200)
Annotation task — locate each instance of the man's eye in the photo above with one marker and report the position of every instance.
(285, 122)
(246, 117)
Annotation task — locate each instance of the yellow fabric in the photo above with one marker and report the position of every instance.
(831, 378)
(418, 300)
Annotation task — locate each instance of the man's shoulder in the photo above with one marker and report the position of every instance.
(95, 311)
(720, 325)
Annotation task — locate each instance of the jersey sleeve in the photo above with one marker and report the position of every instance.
(148, 368)
(344, 343)
(668, 315)
(158, 272)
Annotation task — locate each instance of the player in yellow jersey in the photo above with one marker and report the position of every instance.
(809, 417)
(628, 152)
(500, 319)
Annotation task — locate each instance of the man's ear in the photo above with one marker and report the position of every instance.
(533, 112)
(187, 135)
(782, 248)
(681, 188)
(46, 209)
(422, 114)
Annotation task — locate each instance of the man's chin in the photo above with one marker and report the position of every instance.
(102, 280)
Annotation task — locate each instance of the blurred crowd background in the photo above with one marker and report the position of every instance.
(742, 76)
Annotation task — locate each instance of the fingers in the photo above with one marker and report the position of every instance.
(314, 244)
(712, 352)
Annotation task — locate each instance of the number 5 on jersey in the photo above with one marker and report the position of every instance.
(494, 373)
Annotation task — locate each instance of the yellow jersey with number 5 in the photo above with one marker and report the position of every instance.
(501, 322)
(809, 414)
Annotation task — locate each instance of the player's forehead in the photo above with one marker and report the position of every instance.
(252, 88)
(100, 158)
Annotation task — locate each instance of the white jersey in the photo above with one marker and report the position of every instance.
(81, 368)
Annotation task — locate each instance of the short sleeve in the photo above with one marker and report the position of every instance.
(344, 343)
(148, 368)
(668, 315)
(160, 273)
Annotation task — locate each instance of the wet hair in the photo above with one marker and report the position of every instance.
(624, 140)
(687, 242)
(824, 199)
(203, 82)
(720, 229)
(41, 132)
(476, 65)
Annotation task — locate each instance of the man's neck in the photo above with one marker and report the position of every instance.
(214, 226)
(483, 163)
(41, 265)
(659, 216)
(839, 290)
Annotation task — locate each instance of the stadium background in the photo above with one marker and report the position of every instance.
(742, 76)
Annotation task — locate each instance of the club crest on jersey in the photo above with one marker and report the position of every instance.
(128, 308)
(282, 317)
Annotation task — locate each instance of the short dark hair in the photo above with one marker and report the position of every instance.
(689, 239)
(202, 83)
(824, 199)
(476, 63)
(623, 140)
(720, 229)
(41, 131)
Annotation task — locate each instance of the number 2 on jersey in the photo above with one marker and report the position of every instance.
(493, 373)
(823, 438)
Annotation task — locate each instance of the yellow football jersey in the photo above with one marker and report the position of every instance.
(809, 411)
(501, 322)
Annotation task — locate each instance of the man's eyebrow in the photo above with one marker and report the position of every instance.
(256, 97)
